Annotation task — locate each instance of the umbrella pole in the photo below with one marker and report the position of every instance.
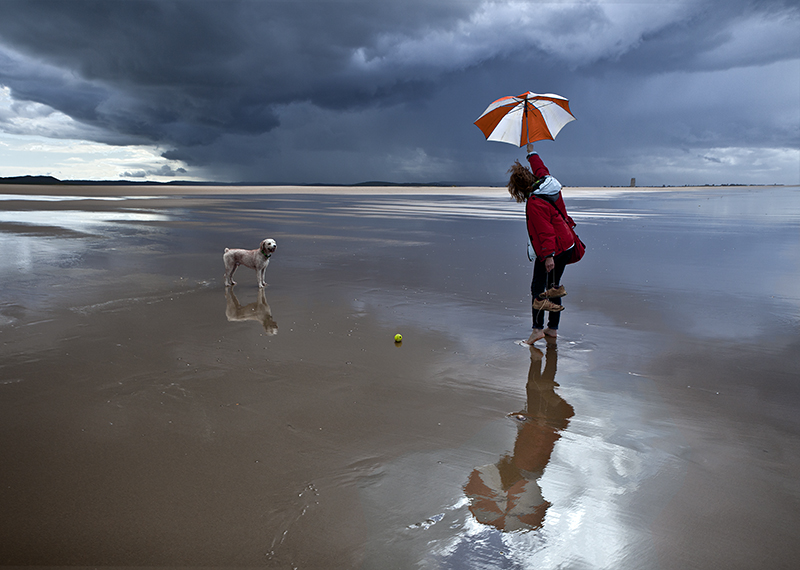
(527, 123)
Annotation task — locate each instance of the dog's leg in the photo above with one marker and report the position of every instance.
(226, 275)
(229, 269)
(262, 275)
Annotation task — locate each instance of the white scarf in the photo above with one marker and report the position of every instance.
(549, 187)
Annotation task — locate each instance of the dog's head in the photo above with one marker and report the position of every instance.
(268, 246)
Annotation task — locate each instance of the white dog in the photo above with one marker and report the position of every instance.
(257, 259)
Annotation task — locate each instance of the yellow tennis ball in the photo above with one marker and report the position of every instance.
(398, 337)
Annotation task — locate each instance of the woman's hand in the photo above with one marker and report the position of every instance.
(549, 264)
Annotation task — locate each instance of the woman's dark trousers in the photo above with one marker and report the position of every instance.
(543, 280)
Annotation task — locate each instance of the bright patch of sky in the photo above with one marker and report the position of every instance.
(35, 138)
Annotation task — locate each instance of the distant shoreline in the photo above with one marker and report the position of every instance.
(54, 186)
(159, 189)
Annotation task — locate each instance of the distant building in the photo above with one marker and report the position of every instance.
(633, 182)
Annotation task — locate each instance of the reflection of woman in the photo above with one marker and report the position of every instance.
(549, 230)
(506, 494)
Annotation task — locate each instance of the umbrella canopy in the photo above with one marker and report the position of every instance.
(507, 505)
(525, 119)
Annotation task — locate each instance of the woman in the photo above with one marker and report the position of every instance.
(549, 229)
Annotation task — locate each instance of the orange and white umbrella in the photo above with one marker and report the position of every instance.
(525, 119)
(506, 505)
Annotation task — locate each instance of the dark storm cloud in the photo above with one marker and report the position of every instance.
(343, 91)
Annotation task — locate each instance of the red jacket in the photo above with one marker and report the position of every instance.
(537, 166)
(550, 232)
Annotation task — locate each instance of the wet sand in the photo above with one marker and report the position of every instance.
(149, 417)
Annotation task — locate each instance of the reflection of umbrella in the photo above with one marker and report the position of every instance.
(525, 119)
(503, 497)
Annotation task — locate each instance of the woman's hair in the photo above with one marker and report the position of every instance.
(520, 182)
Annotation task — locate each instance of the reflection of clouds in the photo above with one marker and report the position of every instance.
(600, 472)
(710, 207)
(415, 207)
(575, 483)
(691, 253)
(470, 207)
(786, 291)
(609, 474)
(80, 220)
(54, 198)
(607, 215)
(46, 247)
(20, 253)
(501, 207)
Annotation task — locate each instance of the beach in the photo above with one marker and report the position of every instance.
(152, 417)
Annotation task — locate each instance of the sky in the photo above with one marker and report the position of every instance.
(350, 91)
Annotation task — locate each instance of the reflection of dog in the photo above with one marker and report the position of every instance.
(258, 311)
(257, 259)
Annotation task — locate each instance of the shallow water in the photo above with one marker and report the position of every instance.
(151, 419)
